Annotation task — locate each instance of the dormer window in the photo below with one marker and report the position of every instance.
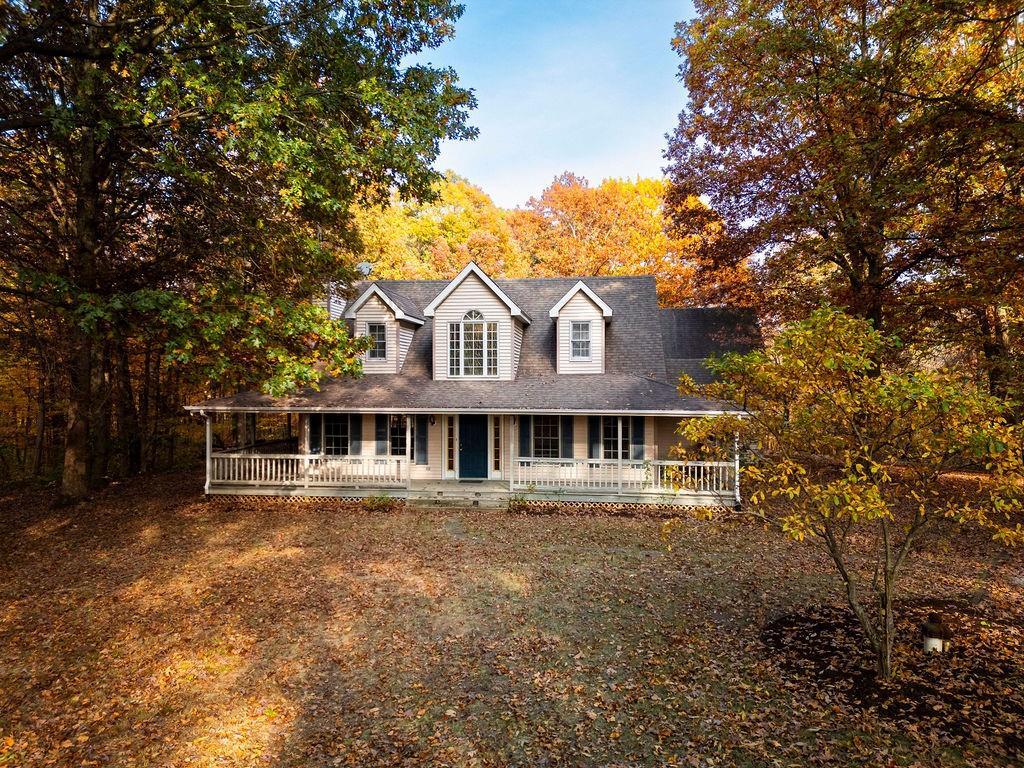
(473, 346)
(580, 339)
(378, 333)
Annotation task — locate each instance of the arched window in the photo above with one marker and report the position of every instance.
(473, 346)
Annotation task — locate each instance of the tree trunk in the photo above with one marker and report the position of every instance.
(83, 263)
(887, 632)
(75, 478)
(130, 440)
(101, 418)
(995, 347)
(37, 458)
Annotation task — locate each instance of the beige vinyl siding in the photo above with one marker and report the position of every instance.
(376, 311)
(405, 334)
(580, 308)
(473, 294)
(517, 345)
(369, 433)
(432, 470)
(580, 436)
(665, 437)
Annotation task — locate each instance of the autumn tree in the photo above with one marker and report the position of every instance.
(851, 457)
(618, 227)
(183, 173)
(435, 238)
(857, 149)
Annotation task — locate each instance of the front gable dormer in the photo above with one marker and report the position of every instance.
(382, 317)
(477, 328)
(580, 317)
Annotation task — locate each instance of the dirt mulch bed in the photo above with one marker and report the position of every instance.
(975, 690)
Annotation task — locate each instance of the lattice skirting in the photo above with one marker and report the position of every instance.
(517, 506)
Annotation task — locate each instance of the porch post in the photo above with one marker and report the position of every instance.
(620, 454)
(408, 452)
(209, 453)
(511, 461)
(736, 464)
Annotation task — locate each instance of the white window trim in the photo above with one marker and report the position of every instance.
(369, 356)
(495, 474)
(590, 341)
(462, 348)
(454, 472)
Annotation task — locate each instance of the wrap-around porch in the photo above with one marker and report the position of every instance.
(475, 457)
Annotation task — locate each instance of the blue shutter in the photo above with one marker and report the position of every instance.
(380, 435)
(316, 422)
(525, 436)
(565, 445)
(594, 437)
(355, 433)
(421, 439)
(636, 439)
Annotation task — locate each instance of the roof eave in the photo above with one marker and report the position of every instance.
(681, 412)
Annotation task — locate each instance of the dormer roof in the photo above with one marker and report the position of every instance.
(473, 269)
(581, 287)
(402, 307)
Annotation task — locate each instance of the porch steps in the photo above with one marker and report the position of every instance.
(480, 496)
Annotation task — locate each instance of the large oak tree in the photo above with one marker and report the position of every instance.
(860, 150)
(184, 170)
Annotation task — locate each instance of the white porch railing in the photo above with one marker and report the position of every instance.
(716, 478)
(308, 471)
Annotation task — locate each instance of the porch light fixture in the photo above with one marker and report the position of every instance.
(936, 634)
(432, 420)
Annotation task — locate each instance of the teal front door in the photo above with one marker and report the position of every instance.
(472, 446)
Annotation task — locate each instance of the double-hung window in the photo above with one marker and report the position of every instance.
(545, 437)
(378, 333)
(337, 435)
(610, 437)
(579, 339)
(473, 346)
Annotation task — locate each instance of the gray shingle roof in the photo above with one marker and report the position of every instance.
(633, 341)
(636, 378)
(692, 335)
(403, 302)
(543, 394)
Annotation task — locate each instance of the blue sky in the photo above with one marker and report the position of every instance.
(587, 86)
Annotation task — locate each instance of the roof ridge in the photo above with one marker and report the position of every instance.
(520, 279)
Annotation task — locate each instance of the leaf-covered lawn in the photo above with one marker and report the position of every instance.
(153, 628)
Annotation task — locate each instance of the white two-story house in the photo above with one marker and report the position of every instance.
(477, 389)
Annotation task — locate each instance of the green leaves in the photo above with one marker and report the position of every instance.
(196, 185)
